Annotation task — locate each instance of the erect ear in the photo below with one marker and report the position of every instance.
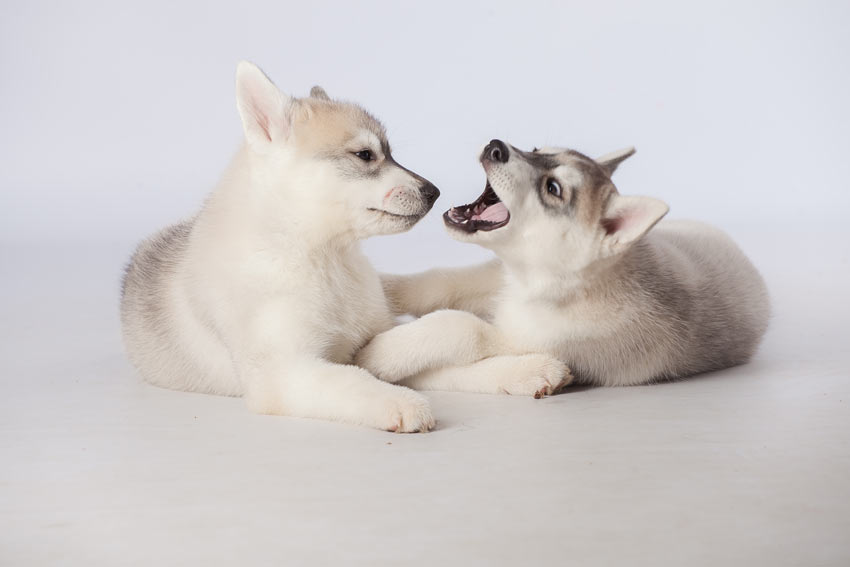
(263, 108)
(319, 92)
(609, 162)
(627, 218)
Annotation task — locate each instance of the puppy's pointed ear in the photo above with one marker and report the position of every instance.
(627, 218)
(609, 162)
(263, 108)
(319, 93)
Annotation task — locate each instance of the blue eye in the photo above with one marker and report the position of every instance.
(365, 155)
(554, 188)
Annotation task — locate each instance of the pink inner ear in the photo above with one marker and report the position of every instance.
(612, 225)
(625, 220)
(260, 104)
(261, 119)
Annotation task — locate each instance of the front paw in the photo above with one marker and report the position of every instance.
(537, 375)
(405, 411)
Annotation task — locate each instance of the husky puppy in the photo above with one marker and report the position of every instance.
(579, 276)
(265, 293)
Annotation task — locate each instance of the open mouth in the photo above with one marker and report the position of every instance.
(488, 212)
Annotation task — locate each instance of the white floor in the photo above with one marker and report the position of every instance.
(749, 466)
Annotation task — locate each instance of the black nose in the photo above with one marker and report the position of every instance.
(429, 192)
(496, 150)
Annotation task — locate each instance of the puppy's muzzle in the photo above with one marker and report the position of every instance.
(496, 151)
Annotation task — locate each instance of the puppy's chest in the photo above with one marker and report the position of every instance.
(349, 309)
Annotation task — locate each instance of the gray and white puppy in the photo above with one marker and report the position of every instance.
(581, 277)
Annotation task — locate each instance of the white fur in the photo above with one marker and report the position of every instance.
(265, 293)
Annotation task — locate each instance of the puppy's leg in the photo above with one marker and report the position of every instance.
(535, 375)
(441, 338)
(467, 289)
(319, 389)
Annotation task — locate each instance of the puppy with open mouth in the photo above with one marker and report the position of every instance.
(583, 276)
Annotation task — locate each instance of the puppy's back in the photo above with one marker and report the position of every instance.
(723, 301)
(156, 322)
(145, 317)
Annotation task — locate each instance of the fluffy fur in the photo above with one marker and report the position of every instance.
(265, 293)
(580, 277)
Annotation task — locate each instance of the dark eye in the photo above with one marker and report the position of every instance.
(365, 155)
(554, 188)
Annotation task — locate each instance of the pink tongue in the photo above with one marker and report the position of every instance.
(493, 213)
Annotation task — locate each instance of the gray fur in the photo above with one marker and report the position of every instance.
(319, 93)
(681, 300)
(696, 316)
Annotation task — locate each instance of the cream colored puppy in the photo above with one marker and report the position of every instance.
(265, 293)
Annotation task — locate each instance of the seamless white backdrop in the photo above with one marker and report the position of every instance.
(118, 117)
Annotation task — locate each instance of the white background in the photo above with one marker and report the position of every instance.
(117, 118)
